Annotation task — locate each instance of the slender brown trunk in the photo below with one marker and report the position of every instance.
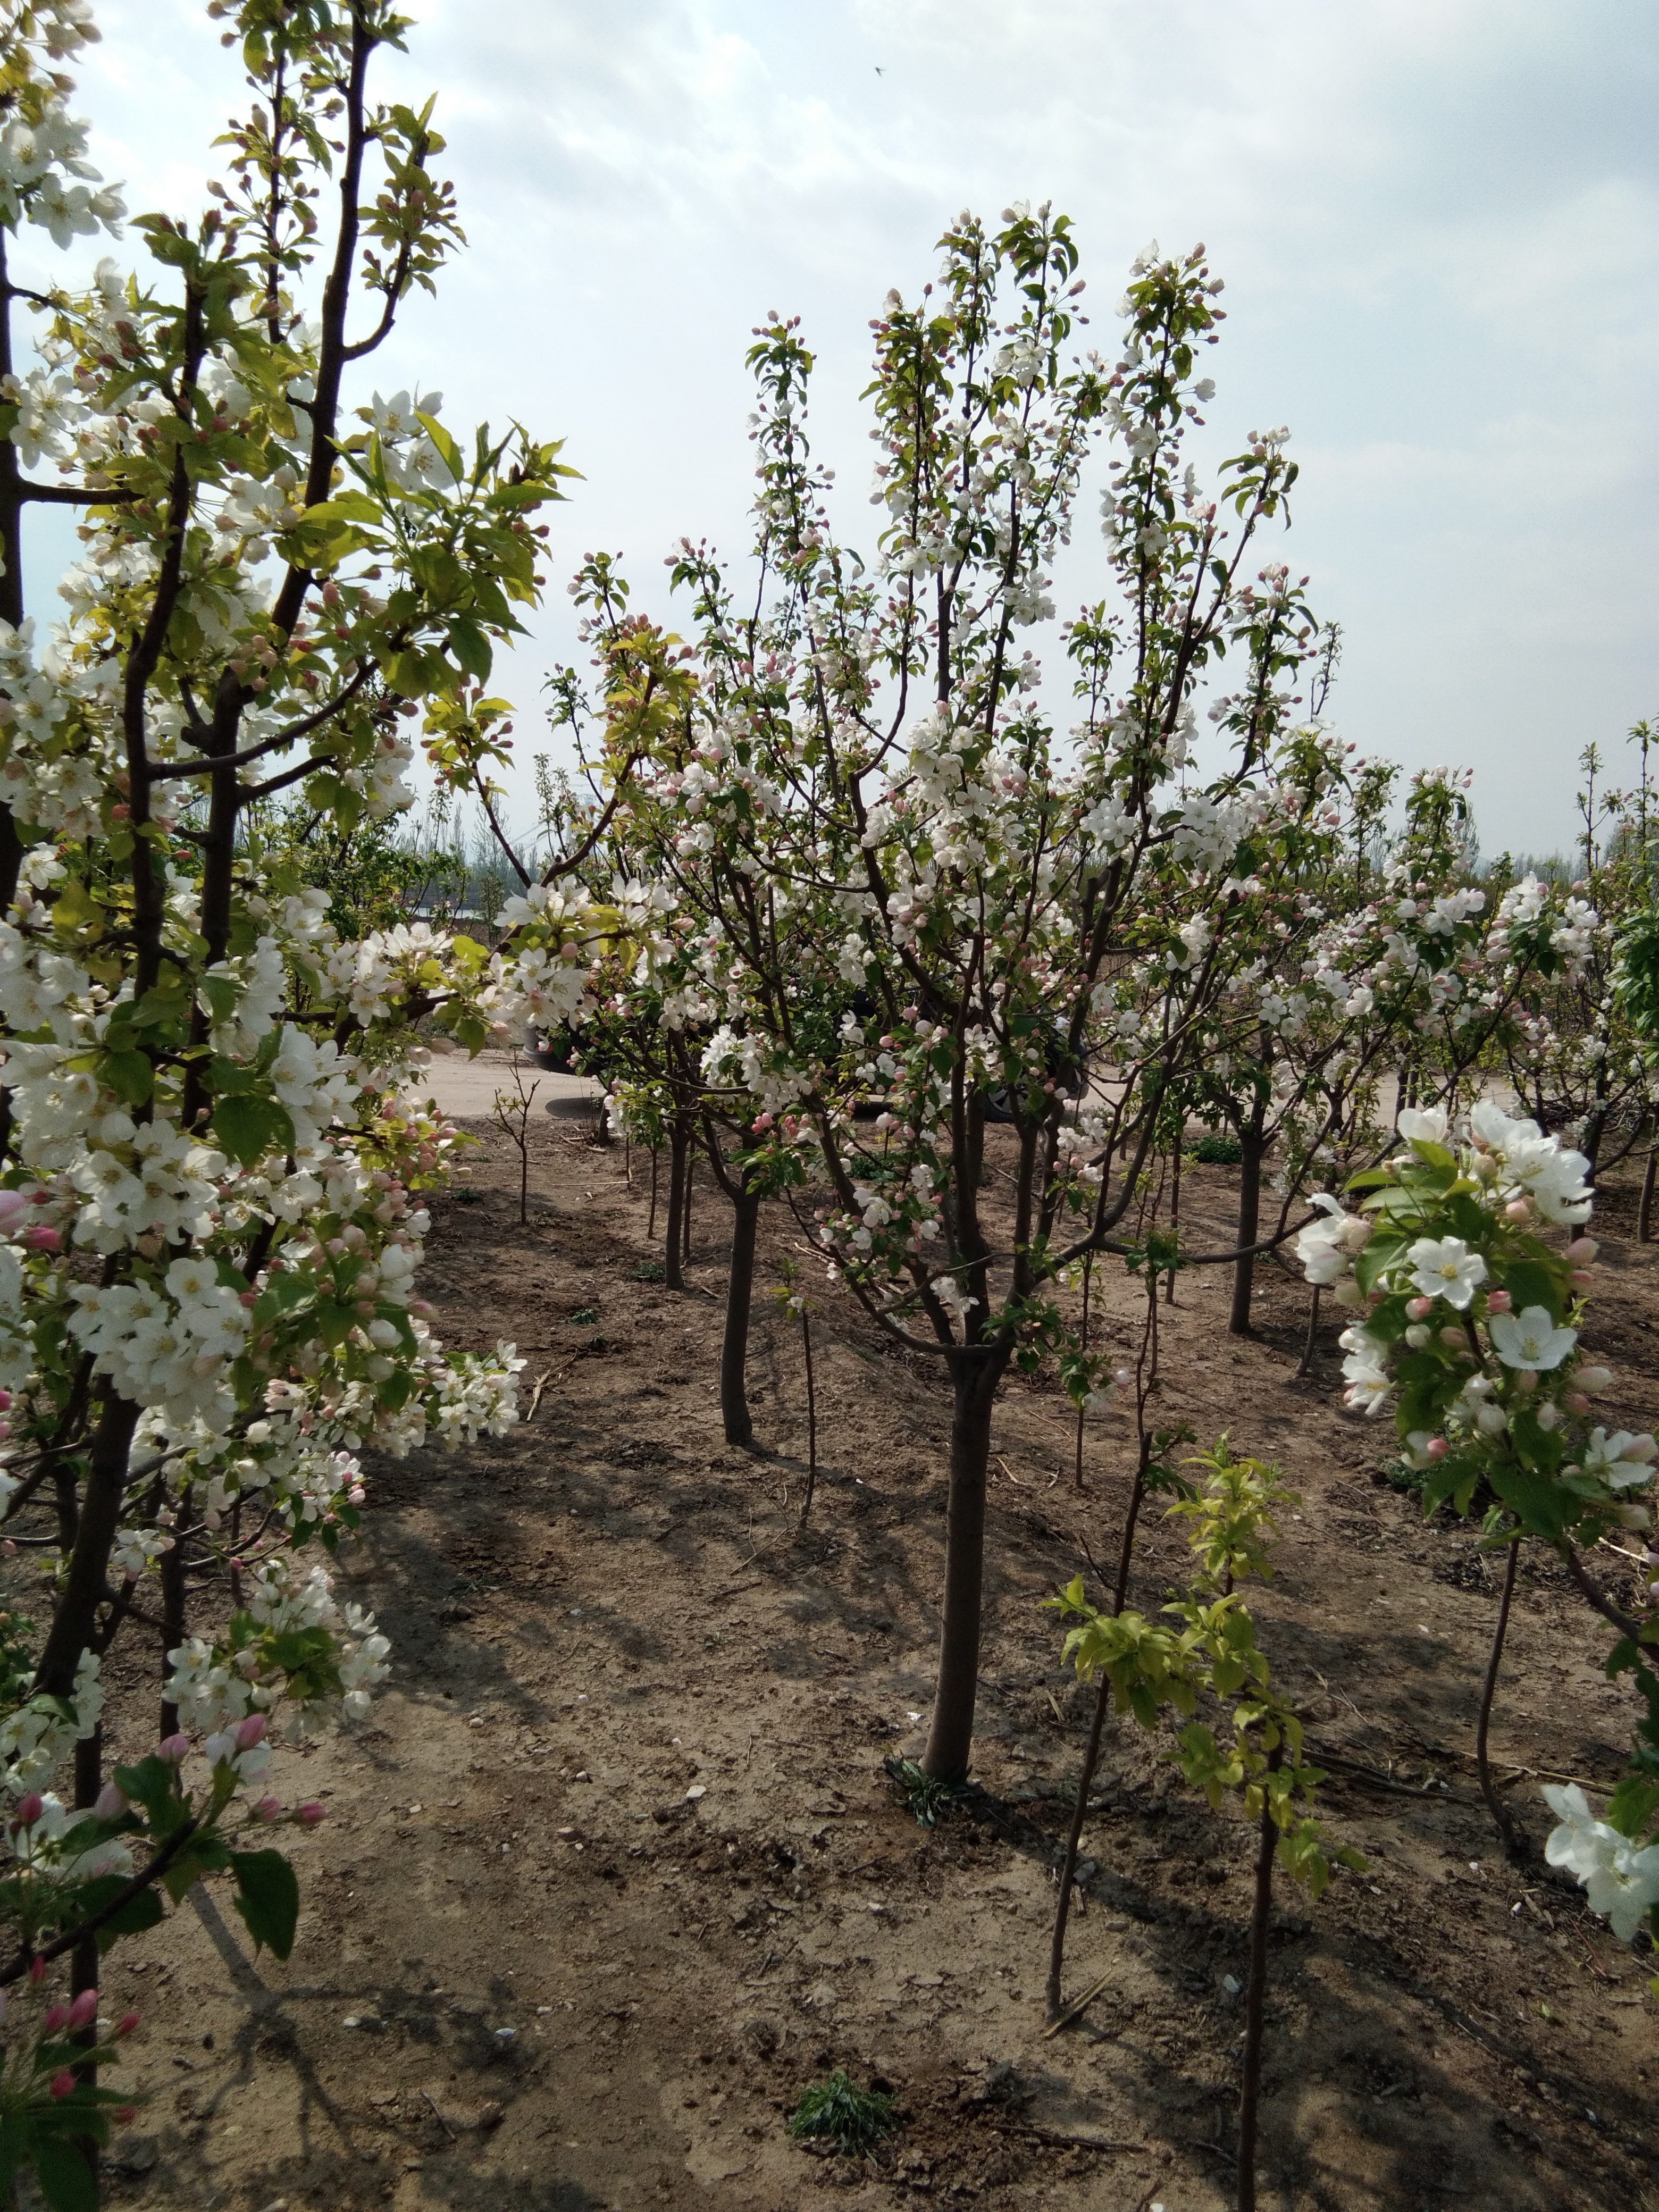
(679, 1147)
(1249, 1218)
(1082, 1346)
(1256, 1998)
(685, 1204)
(1137, 1495)
(1086, 1780)
(812, 1414)
(1495, 1805)
(1175, 1209)
(1074, 1836)
(739, 1295)
(1311, 1339)
(75, 1621)
(975, 1376)
(11, 580)
(174, 1614)
(651, 1222)
(1644, 1210)
(84, 1958)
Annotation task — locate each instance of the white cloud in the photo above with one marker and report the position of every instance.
(1436, 218)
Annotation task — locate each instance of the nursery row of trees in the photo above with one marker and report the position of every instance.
(838, 898)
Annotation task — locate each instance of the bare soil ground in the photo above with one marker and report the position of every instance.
(535, 1969)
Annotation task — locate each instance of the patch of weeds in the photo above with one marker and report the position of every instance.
(838, 2111)
(925, 1795)
(585, 1314)
(596, 1343)
(1217, 1150)
(1400, 1475)
(650, 1271)
(464, 1197)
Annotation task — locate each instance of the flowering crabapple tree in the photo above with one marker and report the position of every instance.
(211, 1186)
(993, 905)
(1470, 1269)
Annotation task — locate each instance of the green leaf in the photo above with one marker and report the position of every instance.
(1376, 1259)
(221, 993)
(1530, 1285)
(446, 445)
(267, 1898)
(471, 647)
(1432, 1155)
(1540, 1505)
(1371, 1179)
(129, 1075)
(250, 1128)
(65, 2179)
(140, 1913)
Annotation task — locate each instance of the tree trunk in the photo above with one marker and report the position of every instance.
(1256, 1998)
(680, 1160)
(739, 1294)
(1644, 1210)
(1495, 1805)
(1249, 1218)
(75, 1621)
(174, 1612)
(84, 1957)
(975, 1376)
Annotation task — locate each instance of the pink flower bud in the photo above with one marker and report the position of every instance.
(127, 2022)
(175, 1749)
(309, 1815)
(1575, 1402)
(249, 1732)
(8, 1549)
(357, 1494)
(1582, 1250)
(1519, 1209)
(14, 1205)
(62, 2084)
(268, 1809)
(42, 1239)
(29, 1809)
(1580, 1279)
(112, 1801)
(57, 2017)
(1593, 1380)
(1419, 1308)
(1437, 1447)
(1498, 1302)
(126, 2114)
(248, 1299)
(37, 1969)
(84, 2010)
(5, 1401)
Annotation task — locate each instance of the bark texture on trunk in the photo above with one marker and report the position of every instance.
(679, 1163)
(740, 1297)
(1249, 1218)
(950, 1733)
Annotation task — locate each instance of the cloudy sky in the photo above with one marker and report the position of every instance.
(1436, 219)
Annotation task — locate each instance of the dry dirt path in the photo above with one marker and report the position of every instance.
(615, 1872)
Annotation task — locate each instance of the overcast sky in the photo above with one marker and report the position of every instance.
(1437, 221)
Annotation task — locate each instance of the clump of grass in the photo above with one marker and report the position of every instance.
(651, 1271)
(925, 1793)
(837, 2111)
(586, 1314)
(1217, 1151)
